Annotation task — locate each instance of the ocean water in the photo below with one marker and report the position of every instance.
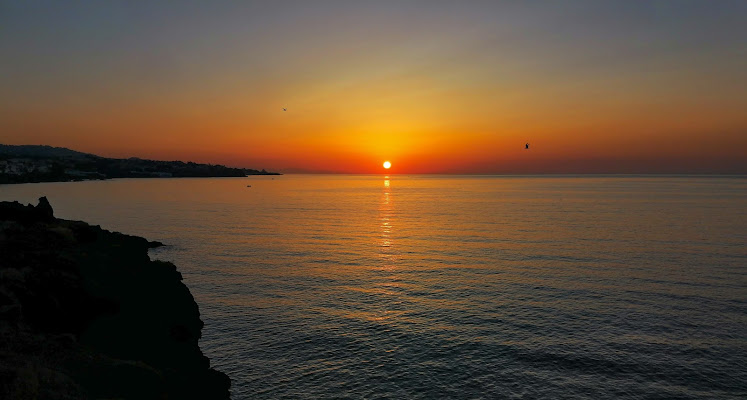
(423, 287)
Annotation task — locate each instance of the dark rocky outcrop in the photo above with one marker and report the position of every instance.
(84, 313)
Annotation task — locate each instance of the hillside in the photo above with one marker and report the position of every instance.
(24, 164)
(40, 151)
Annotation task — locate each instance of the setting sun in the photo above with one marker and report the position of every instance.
(387, 164)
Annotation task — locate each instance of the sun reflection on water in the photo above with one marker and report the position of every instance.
(386, 213)
(314, 286)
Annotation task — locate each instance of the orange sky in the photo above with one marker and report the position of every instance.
(613, 87)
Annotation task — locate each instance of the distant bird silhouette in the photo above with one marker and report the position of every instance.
(526, 146)
(285, 109)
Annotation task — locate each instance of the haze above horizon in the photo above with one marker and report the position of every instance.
(433, 87)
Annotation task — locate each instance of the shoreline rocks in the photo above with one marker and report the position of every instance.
(85, 313)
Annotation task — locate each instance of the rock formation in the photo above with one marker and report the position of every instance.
(84, 313)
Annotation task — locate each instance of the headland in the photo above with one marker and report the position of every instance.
(85, 313)
(28, 164)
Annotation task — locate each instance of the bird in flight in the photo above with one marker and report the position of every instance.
(526, 146)
(285, 109)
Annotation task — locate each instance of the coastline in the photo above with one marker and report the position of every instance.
(36, 164)
(85, 313)
(17, 180)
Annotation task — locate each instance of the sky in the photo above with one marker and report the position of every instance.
(432, 86)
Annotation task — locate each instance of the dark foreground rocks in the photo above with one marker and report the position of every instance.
(85, 314)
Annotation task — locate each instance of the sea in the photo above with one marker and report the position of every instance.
(450, 287)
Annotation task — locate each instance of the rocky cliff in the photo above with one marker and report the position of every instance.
(84, 313)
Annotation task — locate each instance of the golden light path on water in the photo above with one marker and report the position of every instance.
(395, 286)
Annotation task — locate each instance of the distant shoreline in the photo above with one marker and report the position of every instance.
(37, 164)
(3, 182)
(133, 177)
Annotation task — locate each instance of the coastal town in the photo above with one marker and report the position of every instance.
(23, 164)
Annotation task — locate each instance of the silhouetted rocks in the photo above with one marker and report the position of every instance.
(85, 313)
(15, 211)
(44, 210)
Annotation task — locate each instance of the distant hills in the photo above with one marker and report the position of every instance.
(40, 151)
(32, 163)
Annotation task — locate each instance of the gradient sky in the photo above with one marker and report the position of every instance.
(432, 86)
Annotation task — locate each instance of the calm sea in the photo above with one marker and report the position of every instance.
(450, 287)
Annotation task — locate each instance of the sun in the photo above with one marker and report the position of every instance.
(387, 164)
